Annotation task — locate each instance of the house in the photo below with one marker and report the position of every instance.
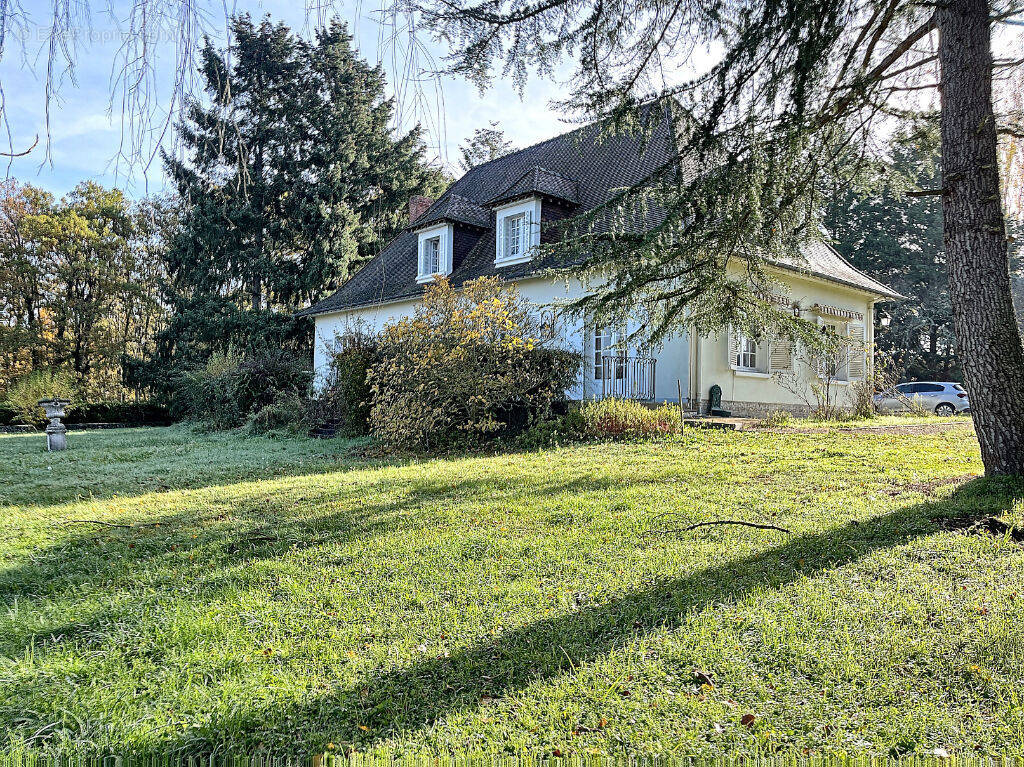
(490, 221)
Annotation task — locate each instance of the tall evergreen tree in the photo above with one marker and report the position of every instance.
(897, 239)
(290, 176)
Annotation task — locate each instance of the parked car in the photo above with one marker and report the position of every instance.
(940, 397)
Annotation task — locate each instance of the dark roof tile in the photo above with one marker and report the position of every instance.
(582, 167)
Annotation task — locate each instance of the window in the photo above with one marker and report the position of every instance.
(834, 367)
(746, 357)
(929, 388)
(746, 354)
(432, 255)
(608, 343)
(515, 240)
(435, 253)
(517, 232)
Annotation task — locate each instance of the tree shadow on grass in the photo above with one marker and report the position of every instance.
(405, 699)
(394, 700)
(228, 526)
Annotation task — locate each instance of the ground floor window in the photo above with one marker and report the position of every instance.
(834, 366)
(746, 357)
(609, 342)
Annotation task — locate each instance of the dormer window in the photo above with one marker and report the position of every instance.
(515, 237)
(517, 232)
(431, 256)
(435, 253)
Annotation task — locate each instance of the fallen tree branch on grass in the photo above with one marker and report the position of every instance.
(111, 524)
(713, 523)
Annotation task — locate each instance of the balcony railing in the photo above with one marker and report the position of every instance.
(627, 377)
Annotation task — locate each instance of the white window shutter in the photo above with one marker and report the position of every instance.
(528, 234)
(734, 347)
(499, 238)
(856, 365)
(780, 354)
(421, 265)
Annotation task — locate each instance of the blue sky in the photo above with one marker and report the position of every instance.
(86, 132)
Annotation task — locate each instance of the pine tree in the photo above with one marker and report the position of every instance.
(897, 239)
(290, 176)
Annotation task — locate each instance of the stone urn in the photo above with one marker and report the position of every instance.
(56, 438)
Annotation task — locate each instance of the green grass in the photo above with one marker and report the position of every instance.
(285, 595)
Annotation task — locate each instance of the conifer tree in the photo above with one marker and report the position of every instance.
(290, 176)
(897, 239)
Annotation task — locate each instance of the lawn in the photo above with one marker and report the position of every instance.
(288, 595)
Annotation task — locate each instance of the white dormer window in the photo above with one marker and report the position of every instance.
(515, 237)
(431, 255)
(517, 232)
(435, 253)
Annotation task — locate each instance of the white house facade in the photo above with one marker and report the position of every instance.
(491, 222)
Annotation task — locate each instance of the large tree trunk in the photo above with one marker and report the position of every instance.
(975, 237)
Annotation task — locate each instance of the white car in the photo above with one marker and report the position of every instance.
(940, 397)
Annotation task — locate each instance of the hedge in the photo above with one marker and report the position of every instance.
(143, 413)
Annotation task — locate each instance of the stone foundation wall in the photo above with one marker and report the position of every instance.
(758, 409)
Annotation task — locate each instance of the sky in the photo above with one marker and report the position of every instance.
(85, 113)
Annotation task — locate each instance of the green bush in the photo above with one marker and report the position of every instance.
(9, 414)
(263, 377)
(24, 394)
(345, 398)
(144, 413)
(468, 365)
(554, 432)
(286, 413)
(626, 418)
(206, 394)
(228, 389)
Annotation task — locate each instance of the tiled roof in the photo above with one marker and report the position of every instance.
(456, 208)
(822, 260)
(582, 167)
(543, 182)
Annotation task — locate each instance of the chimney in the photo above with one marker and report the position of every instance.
(418, 205)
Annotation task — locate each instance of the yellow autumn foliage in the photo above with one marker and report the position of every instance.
(468, 364)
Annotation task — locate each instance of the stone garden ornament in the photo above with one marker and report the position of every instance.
(56, 438)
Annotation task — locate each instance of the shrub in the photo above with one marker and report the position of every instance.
(206, 393)
(263, 376)
(345, 397)
(554, 431)
(286, 413)
(466, 366)
(24, 394)
(228, 389)
(776, 419)
(143, 413)
(626, 418)
(8, 414)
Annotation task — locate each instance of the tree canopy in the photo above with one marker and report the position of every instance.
(484, 145)
(78, 283)
(291, 177)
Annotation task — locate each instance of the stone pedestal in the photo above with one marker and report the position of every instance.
(56, 432)
(55, 437)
